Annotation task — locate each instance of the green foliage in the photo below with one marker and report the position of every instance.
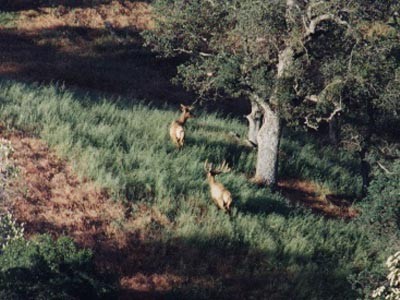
(234, 47)
(126, 148)
(223, 57)
(42, 268)
(380, 215)
(381, 208)
(45, 269)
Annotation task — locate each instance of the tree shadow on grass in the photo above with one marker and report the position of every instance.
(263, 205)
(209, 267)
(126, 70)
(216, 268)
(98, 64)
(220, 150)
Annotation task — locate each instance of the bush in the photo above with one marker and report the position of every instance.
(380, 217)
(381, 209)
(47, 269)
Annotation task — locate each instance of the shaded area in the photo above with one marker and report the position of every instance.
(96, 48)
(308, 157)
(127, 70)
(50, 199)
(45, 269)
(17, 5)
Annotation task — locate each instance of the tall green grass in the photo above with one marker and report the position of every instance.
(283, 252)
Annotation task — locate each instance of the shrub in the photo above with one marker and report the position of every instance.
(47, 269)
(381, 209)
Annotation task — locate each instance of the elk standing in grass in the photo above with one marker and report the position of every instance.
(220, 195)
(176, 130)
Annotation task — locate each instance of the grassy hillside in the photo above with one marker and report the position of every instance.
(268, 249)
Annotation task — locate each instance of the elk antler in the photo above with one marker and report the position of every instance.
(222, 168)
(207, 166)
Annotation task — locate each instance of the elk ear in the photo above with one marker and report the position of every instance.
(182, 107)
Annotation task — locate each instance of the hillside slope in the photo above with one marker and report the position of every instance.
(175, 241)
(87, 110)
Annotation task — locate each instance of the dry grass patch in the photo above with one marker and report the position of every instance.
(135, 15)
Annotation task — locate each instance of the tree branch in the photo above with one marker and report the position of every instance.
(312, 98)
(182, 50)
(317, 99)
(384, 169)
(312, 27)
(309, 125)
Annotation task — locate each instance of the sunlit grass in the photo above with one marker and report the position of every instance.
(126, 148)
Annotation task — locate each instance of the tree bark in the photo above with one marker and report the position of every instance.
(268, 140)
(255, 120)
(269, 135)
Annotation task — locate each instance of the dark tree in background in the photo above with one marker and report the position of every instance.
(299, 63)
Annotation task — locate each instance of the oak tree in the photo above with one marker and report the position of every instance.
(298, 62)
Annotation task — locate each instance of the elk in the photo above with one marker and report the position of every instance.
(220, 195)
(176, 130)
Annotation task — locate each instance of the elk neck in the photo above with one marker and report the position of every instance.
(182, 119)
(210, 178)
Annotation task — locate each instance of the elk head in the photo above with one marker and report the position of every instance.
(187, 112)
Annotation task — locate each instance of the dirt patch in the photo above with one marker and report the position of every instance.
(49, 198)
(317, 198)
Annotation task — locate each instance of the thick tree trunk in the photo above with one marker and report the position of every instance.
(255, 120)
(269, 135)
(268, 140)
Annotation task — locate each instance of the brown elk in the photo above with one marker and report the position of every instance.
(176, 130)
(220, 195)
